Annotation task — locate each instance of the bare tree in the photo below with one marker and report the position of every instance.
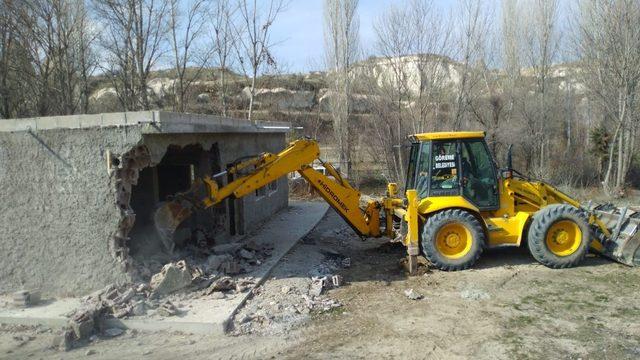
(341, 34)
(133, 35)
(224, 40)
(608, 40)
(186, 29)
(541, 39)
(255, 44)
(52, 37)
(474, 23)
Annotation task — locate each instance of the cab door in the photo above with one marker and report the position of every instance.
(479, 180)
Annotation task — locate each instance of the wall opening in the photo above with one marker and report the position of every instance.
(176, 172)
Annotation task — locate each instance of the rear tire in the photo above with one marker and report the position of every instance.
(559, 236)
(452, 240)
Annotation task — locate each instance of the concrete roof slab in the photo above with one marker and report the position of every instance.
(152, 122)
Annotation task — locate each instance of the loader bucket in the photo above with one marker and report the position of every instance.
(624, 244)
(168, 217)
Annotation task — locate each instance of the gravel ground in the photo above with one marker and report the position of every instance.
(506, 307)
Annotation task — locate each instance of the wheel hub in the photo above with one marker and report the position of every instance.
(452, 240)
(560, 237)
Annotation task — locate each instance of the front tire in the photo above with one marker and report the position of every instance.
(559, 236)
(452, 240)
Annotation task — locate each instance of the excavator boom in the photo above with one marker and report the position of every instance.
(254, 173)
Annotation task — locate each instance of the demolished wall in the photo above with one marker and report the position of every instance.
(65, 212)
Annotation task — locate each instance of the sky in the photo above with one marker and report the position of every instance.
(299, 31)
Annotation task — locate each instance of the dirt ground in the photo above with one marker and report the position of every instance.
(506, 307)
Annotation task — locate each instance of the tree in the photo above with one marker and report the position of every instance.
(474, 23)
(254, 35)
(341, 51)
(224, 40)
(608, 41)
(541, 41)
(134, 32)
(185, 32)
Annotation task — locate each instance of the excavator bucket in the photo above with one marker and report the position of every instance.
(624, 244)
(168, 217)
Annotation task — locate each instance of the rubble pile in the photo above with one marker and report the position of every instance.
(288, 305)
(210, 277)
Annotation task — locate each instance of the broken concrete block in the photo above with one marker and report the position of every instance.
(317, 286)
(412, 295)
(215, 261)
(139, 308)
(64, 340)
(252, 245)
(337, 280)
(24, 298)
(167, 309)
(246, 254)
(173, 277)
(125, 296)
(230, 267)
(226, 248)
(82, 328)
(121, 312)
(222, 284)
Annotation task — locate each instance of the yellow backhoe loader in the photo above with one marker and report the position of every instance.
(456, 204)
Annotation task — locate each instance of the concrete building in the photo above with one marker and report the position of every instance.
(78, 192)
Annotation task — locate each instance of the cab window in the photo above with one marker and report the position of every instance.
(422, 179)
(479, 181)
(444, 168)
(411, 168)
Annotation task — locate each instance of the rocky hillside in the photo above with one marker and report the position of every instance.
(308, 92)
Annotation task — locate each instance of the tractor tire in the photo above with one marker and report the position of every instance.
(452, 240)
(559, 236)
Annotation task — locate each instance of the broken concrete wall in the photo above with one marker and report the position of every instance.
(58, 211)
(65, 213)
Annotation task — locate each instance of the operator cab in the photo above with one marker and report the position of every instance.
(451, 164)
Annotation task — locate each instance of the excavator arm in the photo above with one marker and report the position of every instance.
(256, 172)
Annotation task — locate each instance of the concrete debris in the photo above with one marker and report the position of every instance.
(285, 289)
(253, 246)
(167, 309)
(64, 340)
(225, 283)
(246, 254)
(173, 277)
(25, 298)
(229, 248)
(321, 283)
(83, 323)
(139, 308)
(317, 286)
(243, 284)
(412, 295)
(230, 267)
(320, 304)
(214, 262)
(113, 332)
